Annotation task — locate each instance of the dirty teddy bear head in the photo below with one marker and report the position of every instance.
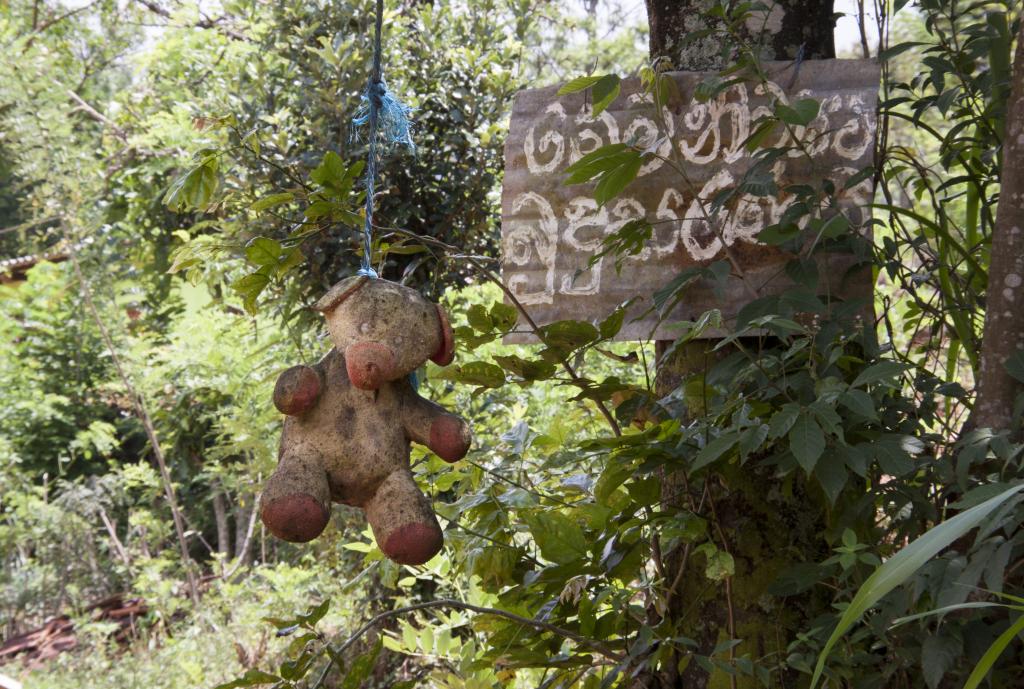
(385, 330)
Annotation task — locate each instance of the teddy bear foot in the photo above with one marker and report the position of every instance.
(450, 438)
(413, 544)
(296, 518)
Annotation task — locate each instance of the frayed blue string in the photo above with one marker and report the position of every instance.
(387, 120)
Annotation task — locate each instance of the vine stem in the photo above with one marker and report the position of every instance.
(459, 605)
(139, 407)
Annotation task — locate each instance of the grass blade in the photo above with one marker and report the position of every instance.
(984, 665)
(903, 564)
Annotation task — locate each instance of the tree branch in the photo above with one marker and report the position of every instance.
(459, 605)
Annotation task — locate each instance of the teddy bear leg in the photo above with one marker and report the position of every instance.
(403, 521)
(296, 500)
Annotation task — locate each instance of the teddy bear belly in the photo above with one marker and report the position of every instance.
(354, 481)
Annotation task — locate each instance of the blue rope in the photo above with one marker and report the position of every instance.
(387, 120)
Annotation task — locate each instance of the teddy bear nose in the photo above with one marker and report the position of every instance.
(369, 364)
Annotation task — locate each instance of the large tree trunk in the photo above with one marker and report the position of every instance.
(765, 526)
(1004, 302)
(781, 33)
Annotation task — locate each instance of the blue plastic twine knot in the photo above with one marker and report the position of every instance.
(387, 119)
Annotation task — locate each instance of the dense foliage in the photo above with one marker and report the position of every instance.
(626, 517)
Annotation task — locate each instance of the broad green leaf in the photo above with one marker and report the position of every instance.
(832, 475)
(614, 181)
(526, 369)
(569, 334)
(577, 84)
(859, 402)
(272, 200)
(504, 316)
(799, 113)
(605, 91)
(331, 169)
(939, 653)
(481, 373)
(263, 251)
(559, 538)
(882, 371)
(249, 287)
(783, 420)
(611, 325)
(901, 566)
(806, 442)
(714, 450)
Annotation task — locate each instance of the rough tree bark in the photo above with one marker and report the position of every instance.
(764, 525)
(781, 32)
(1004, 306)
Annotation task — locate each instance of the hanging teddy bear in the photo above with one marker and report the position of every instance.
(352, 416)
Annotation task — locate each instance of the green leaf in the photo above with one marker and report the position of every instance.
(762, 132)
(898, 49)
(249, 288)
(577, 84)
(504, 316)
(611, 325)
(806, 442)
(316, 612)
(361, 668)
(480, 373)
(559, 538)
(1015, 365)
(272, 200)
(835, 227)
(525, 369)
(859, 402)
(569, 334)
(251, 678)
(984, 665)
(478, 318)
(892, 452)
(904, 564)
(195, 189)
(938, 654)
(614, 181)
(599, 160)
(605, 91)
(831, 474)
(331, 169)
(263, 251)
(714, 450)
(720, 566)
(882, 371)
(783, 420)
(800, 113)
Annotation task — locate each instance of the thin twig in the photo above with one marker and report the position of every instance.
(139, 406)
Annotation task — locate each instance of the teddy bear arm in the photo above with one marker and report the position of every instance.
(297, 390)
(430, 424)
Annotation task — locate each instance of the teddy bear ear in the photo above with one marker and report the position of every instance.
(339, 293)
(446, 352)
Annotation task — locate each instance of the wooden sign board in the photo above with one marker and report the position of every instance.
(550, 230)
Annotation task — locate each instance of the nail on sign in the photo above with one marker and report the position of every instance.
(550, 230)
